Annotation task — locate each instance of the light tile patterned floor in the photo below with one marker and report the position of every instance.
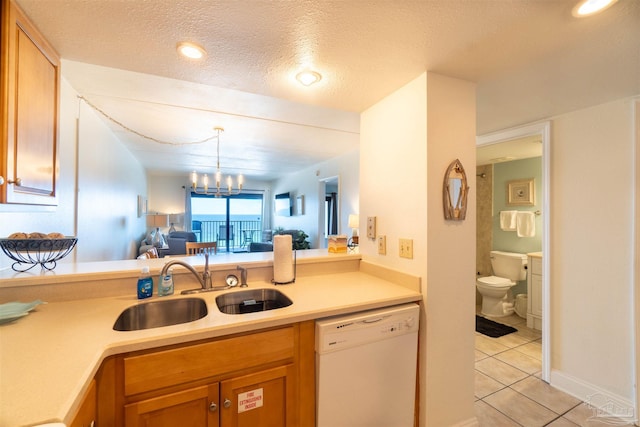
(508, 388)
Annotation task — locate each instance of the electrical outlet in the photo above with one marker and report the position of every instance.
(382, 245)
(371, 227)
(406, 248)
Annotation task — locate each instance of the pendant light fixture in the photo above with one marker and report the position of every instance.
(218, 177)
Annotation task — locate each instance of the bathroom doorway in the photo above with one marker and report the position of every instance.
(507, 146)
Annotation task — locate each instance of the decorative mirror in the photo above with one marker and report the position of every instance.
(454, 192)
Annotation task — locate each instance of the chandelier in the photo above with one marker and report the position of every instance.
(205, 177)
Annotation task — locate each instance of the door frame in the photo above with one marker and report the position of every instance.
(322, 186)
(636, 267)
(543, 129)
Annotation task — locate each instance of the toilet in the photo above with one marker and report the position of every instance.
(508, 269)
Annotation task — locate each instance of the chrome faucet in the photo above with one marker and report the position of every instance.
(205, 280)
(243, 276)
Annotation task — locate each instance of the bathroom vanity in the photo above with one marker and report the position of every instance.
(534, 290)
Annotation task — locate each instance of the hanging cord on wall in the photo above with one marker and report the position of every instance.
(150, 138)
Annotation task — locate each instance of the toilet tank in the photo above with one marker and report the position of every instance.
(509, 265)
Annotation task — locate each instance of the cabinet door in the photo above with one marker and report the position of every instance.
(536, 295)
(264, 399)
(195, 407)
(31, 120)
(86, 415)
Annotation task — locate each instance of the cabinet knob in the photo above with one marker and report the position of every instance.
(213, 407)
(227, 403)
(1, 180)
(17, 182)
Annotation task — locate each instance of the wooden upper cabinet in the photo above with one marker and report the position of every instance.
(30, 95)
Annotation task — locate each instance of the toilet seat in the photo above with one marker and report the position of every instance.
(495, 281)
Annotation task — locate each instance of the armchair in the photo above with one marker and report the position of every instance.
(177, 241)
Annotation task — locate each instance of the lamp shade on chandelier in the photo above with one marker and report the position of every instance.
(204, 189)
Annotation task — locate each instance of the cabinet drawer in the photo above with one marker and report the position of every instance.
(165, 368)
(535, 264)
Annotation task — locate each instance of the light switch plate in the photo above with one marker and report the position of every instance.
(371, 227)
(406, 248)
(382, 245)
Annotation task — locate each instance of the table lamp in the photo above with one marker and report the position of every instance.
(354, 223)
(157, 221)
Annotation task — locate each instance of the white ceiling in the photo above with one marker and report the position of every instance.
(530, 58)
(515, 149)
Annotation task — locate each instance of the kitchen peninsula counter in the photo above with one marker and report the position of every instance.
(48, 358)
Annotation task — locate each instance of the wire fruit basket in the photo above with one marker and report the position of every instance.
(27, 253)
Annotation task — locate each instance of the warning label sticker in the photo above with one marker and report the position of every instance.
(250, 400)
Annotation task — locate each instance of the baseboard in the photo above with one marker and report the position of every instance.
(604, 403)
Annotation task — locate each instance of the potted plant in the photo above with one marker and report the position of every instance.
(300, 240)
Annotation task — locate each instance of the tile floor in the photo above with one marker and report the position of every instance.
(508, 388)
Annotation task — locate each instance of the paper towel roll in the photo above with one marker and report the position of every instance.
(282, 259)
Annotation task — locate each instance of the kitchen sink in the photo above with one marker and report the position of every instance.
(251, 301)
(161, 313)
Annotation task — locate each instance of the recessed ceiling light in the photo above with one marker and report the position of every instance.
(308, 77)
(591, 7)
(191, 50)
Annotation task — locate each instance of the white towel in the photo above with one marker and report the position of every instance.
(526, 224)
(508, 220)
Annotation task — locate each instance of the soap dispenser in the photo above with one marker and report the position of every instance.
(165, 284)
(145, 284)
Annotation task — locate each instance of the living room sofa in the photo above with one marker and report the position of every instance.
(267, 246)
(176, 240)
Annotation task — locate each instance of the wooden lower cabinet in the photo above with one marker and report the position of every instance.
(192, 407)
(260, 379)
(264, 398)
(87, 413)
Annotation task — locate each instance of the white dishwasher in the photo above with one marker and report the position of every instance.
(366, 368)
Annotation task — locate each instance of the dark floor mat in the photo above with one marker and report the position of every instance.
(491, 328)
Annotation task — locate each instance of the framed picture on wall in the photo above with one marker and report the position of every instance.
(521, 192)
(142, 206)
(300, 205)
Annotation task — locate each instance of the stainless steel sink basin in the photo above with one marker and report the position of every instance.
(252, 300)
(161, 313)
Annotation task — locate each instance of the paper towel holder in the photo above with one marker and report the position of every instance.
(295, 264)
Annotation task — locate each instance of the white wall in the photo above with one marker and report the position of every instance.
(166, 193)
(450, 283)
(592, 219)
(407, 142)
(307, 183)
(109, 180)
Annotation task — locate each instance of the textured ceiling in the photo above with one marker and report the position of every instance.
(530, 58)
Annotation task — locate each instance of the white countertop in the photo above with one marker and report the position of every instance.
(48, 358)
